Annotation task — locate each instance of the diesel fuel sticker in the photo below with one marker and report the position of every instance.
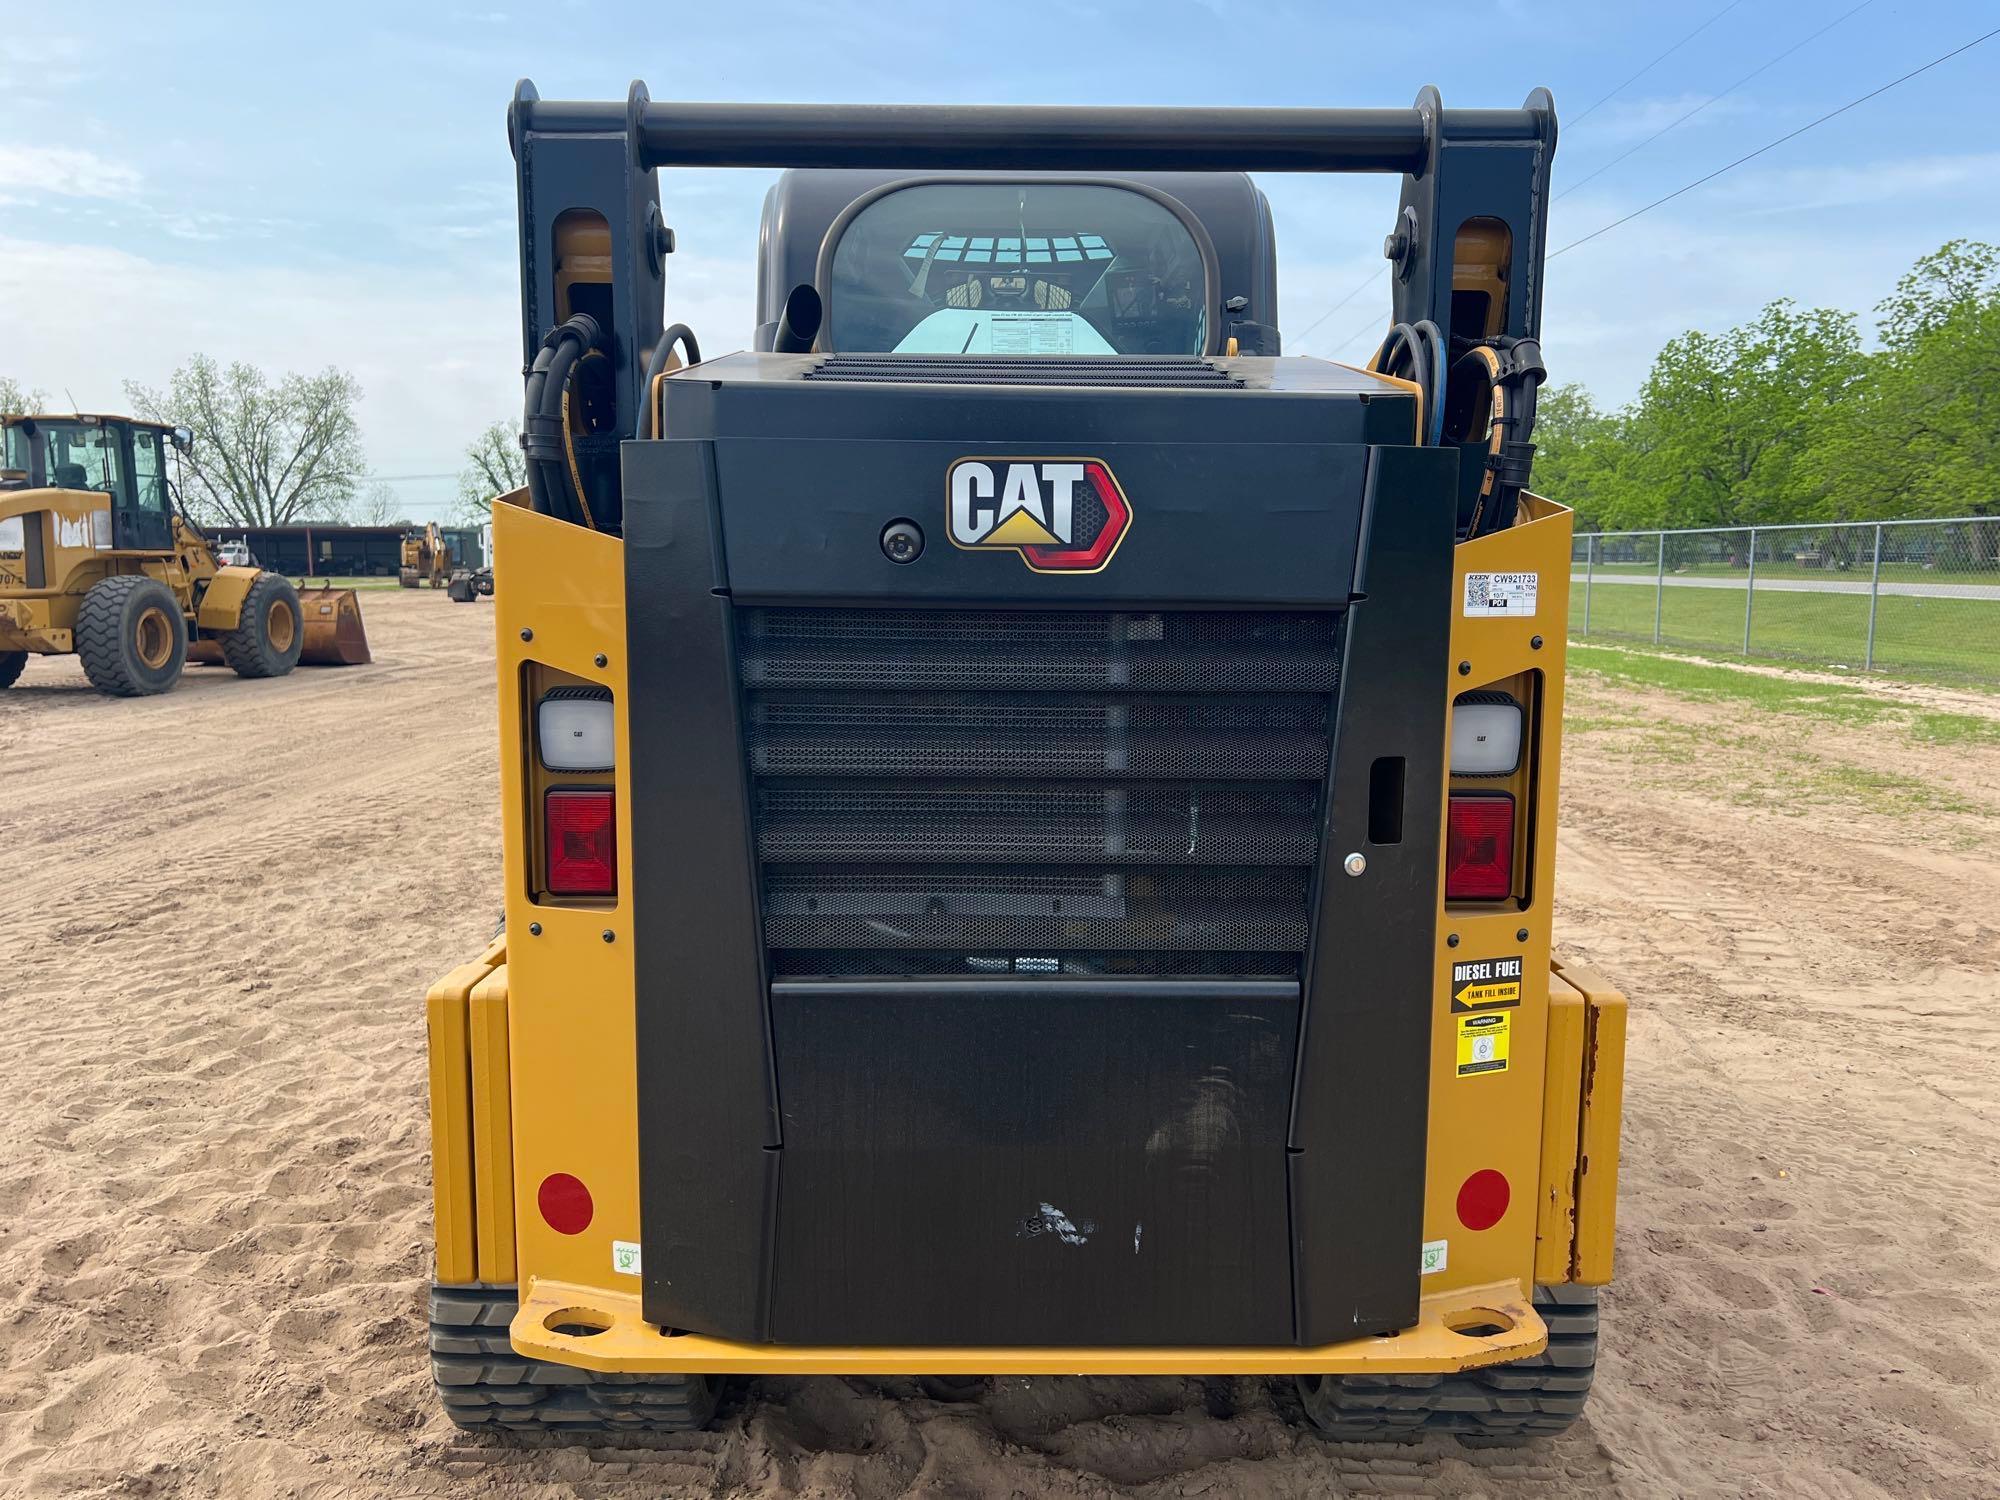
(1486, 983)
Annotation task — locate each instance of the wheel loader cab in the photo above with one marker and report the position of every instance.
(125, 461)
(993, 880)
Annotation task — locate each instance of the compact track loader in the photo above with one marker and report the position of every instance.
(96, 558)
(1029, 817)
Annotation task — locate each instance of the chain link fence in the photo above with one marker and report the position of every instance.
(1906, 598)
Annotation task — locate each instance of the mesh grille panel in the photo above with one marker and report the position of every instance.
(958, 734)
(1047, 651)
(1014, 822)
(964, 792)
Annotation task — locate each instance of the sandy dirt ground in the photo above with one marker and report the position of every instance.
(222, 908)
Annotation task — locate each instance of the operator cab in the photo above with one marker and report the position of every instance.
(1164, 264)
(114, 456)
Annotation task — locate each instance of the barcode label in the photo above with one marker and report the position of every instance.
(1508, 594)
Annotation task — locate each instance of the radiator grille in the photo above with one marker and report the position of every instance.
(1015, 791)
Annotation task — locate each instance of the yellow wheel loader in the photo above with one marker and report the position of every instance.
(96, 559)
(1029, 818)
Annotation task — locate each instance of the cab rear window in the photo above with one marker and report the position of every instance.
(1017, 268)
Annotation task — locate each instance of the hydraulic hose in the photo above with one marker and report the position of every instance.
(1399, 352)
(676, 333)
(1430, 334)
(1508, 372)
(552, 484)
(1414, 352)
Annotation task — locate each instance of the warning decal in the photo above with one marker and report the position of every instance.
(1486, 984)
(1510, 595)
(1482, 1043)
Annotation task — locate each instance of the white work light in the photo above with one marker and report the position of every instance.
(573, 727)
(1485, 735)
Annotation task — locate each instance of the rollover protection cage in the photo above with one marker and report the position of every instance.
(994, 882)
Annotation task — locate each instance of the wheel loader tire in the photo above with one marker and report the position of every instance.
(1499, 1406)
(485, 1386)
(270, 631)
(131, 636)
(11, 663)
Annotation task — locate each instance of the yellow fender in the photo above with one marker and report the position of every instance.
(222, 603)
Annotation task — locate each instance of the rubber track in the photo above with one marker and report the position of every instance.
(1502, 1405)
(485, 1386)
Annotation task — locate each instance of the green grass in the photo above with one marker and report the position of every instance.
(319, 580)
(1769, 693)
(1953, 640)
(1859, 572)
(1740, 767)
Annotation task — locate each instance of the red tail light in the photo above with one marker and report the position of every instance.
(582, 843)
(1479, 847)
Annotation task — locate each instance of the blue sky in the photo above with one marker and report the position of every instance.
(303, 185)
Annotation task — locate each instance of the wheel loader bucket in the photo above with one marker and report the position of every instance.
(334, 635)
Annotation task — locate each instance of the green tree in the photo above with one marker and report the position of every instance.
(1959, 273)
(494, 466)
(1723, 421)
(17, 399)
(1921, 438)
(1581, 458)
(265, 453)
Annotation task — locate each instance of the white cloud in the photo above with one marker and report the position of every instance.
(1613, 303)
(67, 172)
(1634, 120)
(436, 342)
(437, 350)
(1801, 189)
(35, 58)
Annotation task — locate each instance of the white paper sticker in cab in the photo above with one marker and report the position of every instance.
(1489, 595)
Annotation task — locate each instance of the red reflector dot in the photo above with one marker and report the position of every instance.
(1482, 1201)
(565, 1203)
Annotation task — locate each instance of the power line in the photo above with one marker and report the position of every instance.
(1713, 99)
(1372, 323)
(1578, 120)
(1369, 280)
(1373, 275)
(1772, 145)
